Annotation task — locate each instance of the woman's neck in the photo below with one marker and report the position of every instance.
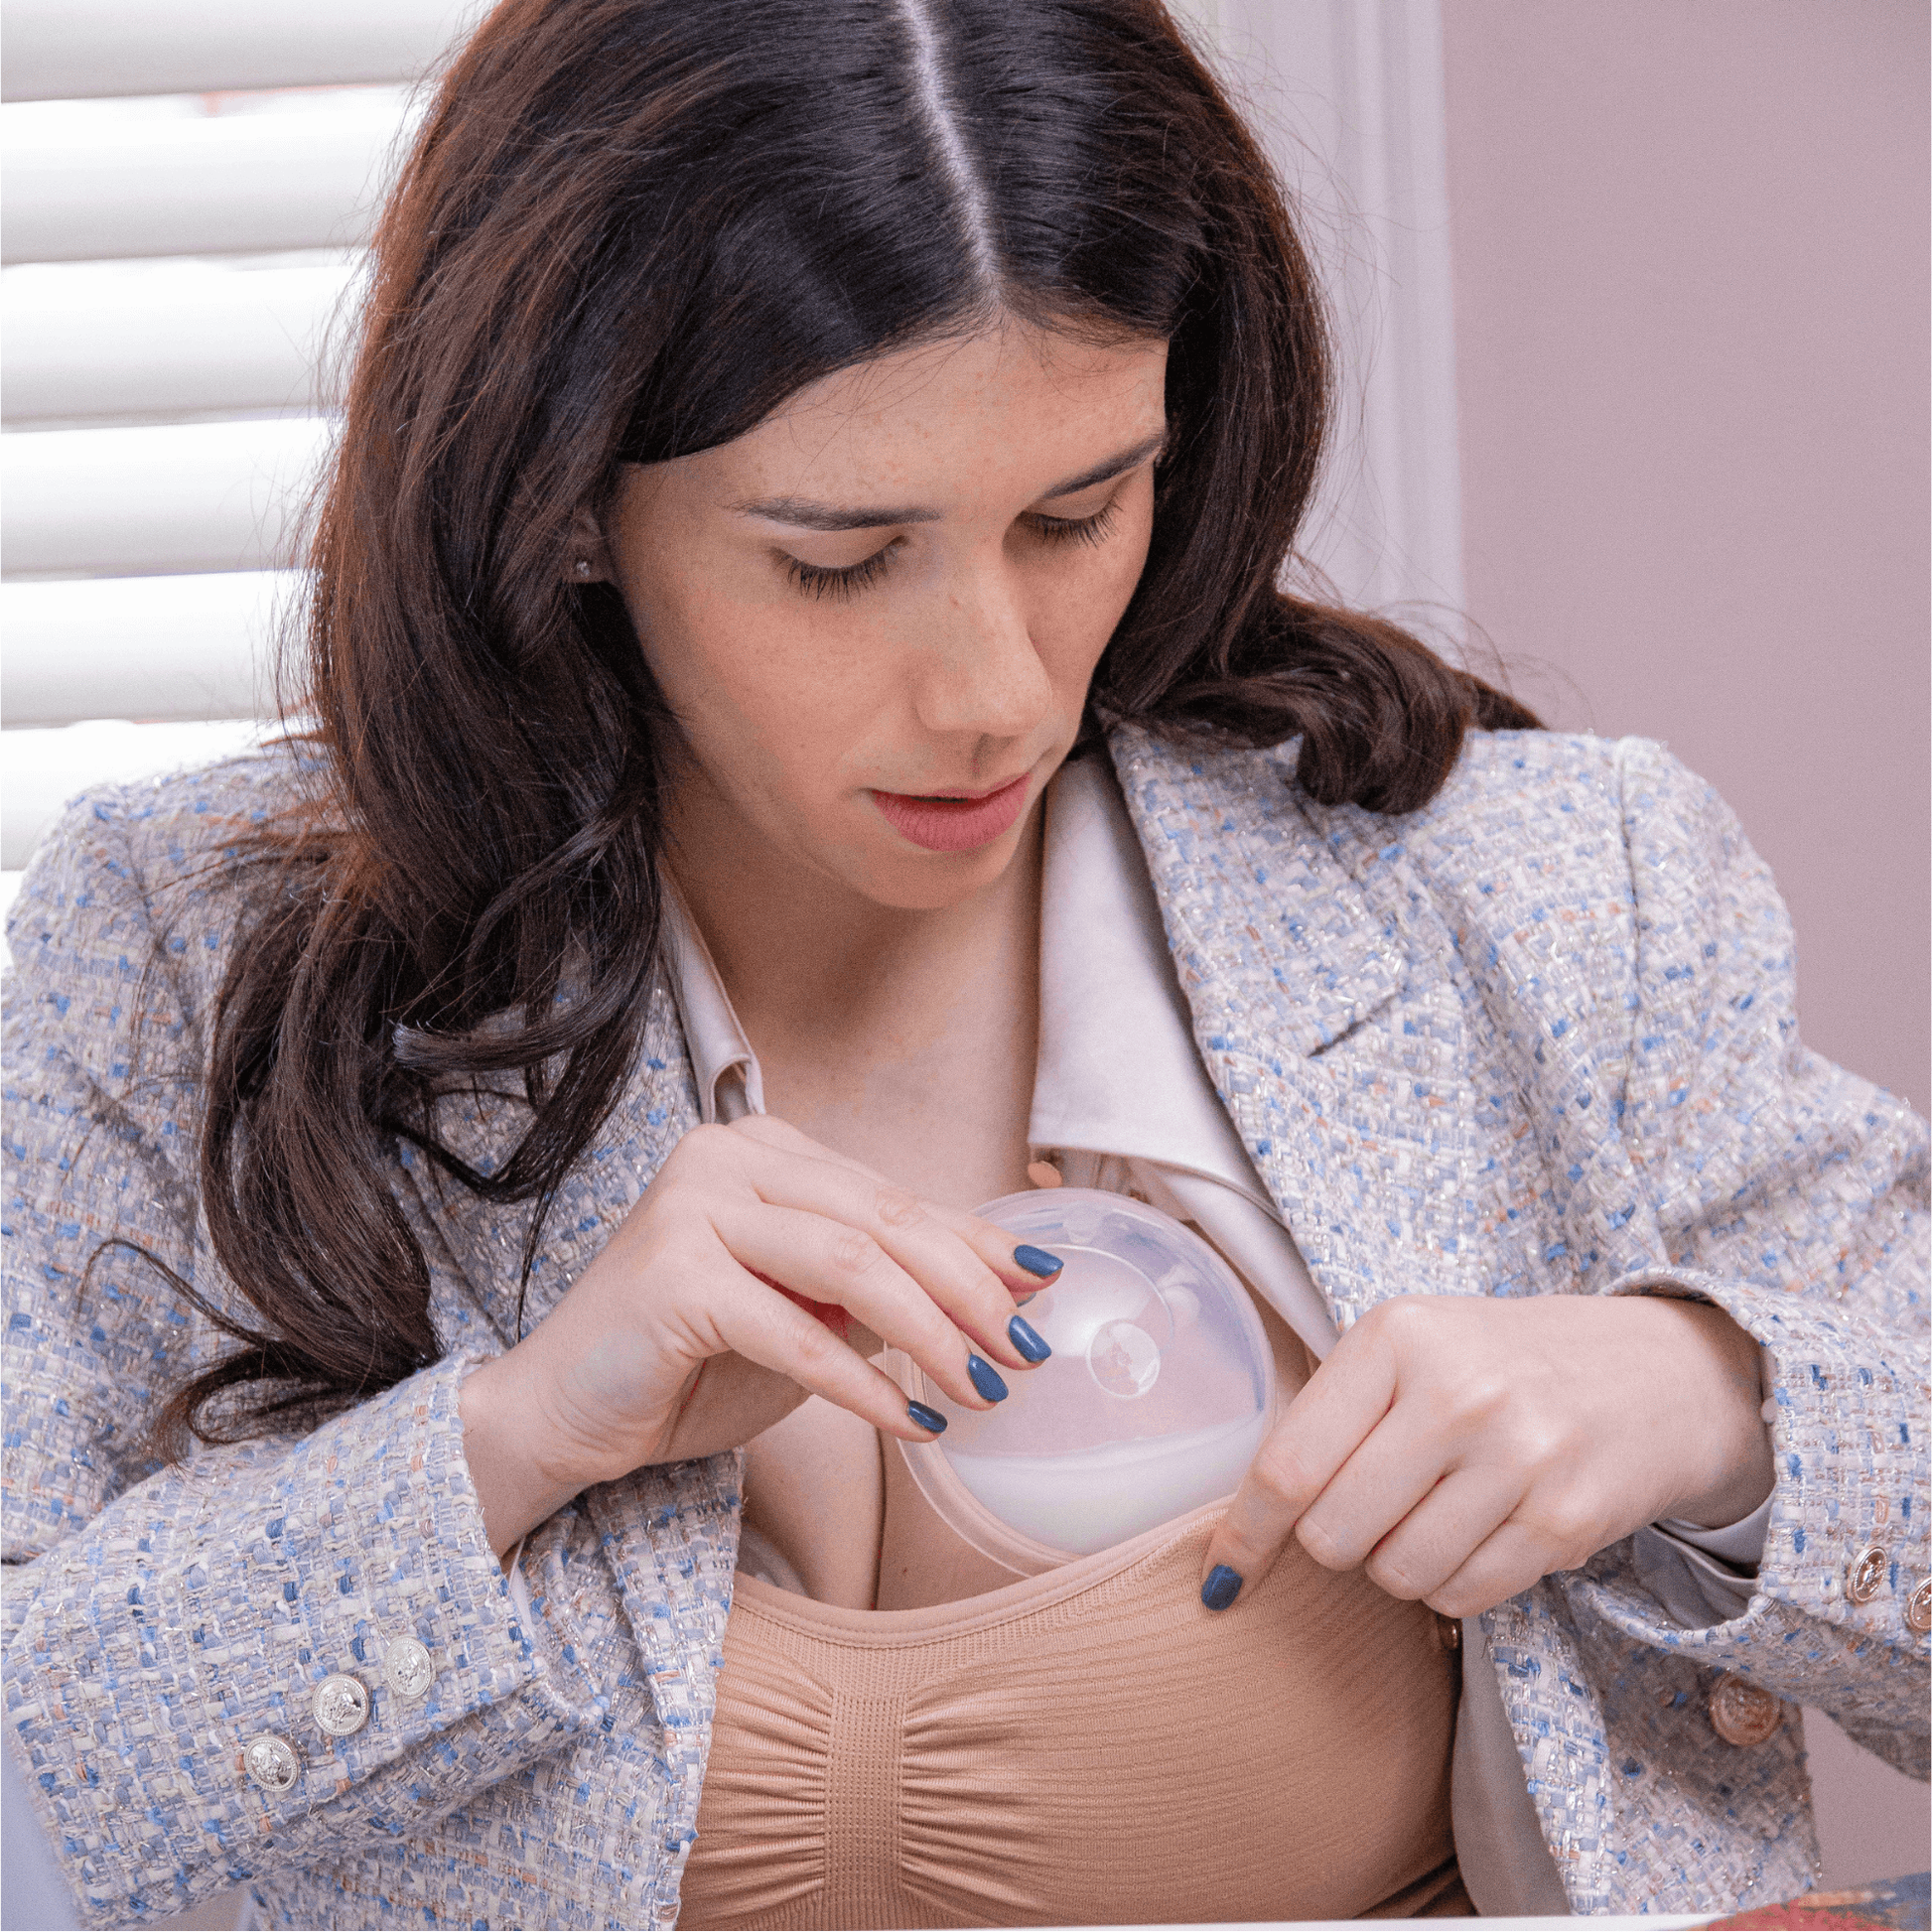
(904, 1038)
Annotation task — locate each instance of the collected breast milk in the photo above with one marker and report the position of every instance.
(1155, 1400)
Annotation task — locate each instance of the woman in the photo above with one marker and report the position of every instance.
(787, 440)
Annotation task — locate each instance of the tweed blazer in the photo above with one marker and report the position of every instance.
(1536, 1039)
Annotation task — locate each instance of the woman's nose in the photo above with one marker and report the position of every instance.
(982, 676)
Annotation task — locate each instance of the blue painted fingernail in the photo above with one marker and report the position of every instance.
(1222, 1587)
(926, 1417)
(1036, 1261)
(1027, 1340)
(986, 1379)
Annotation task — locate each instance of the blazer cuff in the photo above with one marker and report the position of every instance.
(242, 1664)
(1827, 1620)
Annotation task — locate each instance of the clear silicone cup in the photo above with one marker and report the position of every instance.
(1159, 1391)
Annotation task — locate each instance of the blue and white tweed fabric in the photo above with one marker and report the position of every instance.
(1537, 1039)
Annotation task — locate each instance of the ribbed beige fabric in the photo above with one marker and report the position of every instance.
(1088, 1747)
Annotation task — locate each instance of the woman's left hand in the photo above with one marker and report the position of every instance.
(1462, 1447)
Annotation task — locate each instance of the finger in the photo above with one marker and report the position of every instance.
(751, 1319)
(832, 1260)
(838, 1319)
(1442, 1532)
(946, 1268)
(1021, 1267)
(1346, 1398)
(1559, 1522)
(1515, 1556)
(1398, 1463)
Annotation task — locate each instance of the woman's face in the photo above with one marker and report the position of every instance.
(886, 602)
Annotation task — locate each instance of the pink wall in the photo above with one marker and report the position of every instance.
(1690, 309)
(1690, 290)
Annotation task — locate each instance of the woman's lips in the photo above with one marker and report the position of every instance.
(953, 824)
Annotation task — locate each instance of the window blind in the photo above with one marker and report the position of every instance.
(189, 186)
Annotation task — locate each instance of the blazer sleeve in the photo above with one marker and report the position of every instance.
(158, 1621)
(1792, 1194)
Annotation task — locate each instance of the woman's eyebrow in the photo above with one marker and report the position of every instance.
(829, 516)
(1105, 472)
(806, 515)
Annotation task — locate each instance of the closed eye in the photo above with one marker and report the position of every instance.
(817, 579)
(821, 580)
(1077, 529)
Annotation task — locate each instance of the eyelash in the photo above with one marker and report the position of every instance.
(817, 581)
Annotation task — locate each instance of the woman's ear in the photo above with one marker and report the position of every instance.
(587, 557)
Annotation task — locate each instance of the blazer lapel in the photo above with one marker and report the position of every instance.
(1293, 972)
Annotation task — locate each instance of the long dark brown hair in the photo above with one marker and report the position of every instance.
(629, 229)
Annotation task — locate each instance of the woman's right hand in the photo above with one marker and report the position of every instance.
(675, 1343)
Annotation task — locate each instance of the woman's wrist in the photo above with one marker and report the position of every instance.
(518, 1476)
(1733, 1469)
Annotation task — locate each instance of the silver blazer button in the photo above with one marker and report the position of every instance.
(407, 1668)
(342, 1703)
(270, 1761)
(1866, 1574)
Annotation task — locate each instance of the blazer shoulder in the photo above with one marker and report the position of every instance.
(1510, 795)
(1564, 771)
(175, 824)
(169, 824)
(1527, 827)
(1630, 802)
(1552, 770)
(1522, 791)
(151, 866)
(1511, 790)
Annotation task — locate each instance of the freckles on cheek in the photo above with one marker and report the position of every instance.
(1077, 626)
(797, 695)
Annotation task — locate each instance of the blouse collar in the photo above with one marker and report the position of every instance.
(1117, 1072)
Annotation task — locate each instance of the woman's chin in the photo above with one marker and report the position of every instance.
(912, 881)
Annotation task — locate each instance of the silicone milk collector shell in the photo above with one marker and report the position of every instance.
(1157, 1394)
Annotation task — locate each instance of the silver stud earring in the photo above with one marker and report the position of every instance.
(582, 565)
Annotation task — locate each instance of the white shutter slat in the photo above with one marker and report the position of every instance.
(100, 188)
(181, 497)
(45, 769)
(66, 48)
(139, 132)
(154, 647)
(173, 338)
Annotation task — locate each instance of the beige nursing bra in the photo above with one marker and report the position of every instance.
(1086, 1746)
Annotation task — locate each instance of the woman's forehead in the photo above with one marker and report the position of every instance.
(1017, 406)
